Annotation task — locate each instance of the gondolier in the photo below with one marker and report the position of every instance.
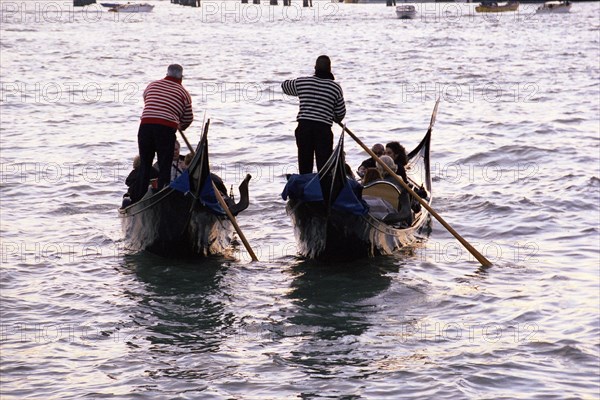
(167, 107)
(321, 104)
(186, 219)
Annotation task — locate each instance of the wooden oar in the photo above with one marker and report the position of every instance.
(186, 141)
(484, 261)
(226, 208)
(234, 222)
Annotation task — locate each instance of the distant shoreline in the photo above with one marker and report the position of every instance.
(460, 1)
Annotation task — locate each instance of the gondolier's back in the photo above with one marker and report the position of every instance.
(167, 103)
(321, 100)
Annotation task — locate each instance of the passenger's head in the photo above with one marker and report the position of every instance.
(397, 152)
(188, 160)
(175, 71)
(136, 162)
(371, 175)
(389, 161)
(176, 150)
(378, 149)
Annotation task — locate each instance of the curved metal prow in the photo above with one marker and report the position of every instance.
(244, 197)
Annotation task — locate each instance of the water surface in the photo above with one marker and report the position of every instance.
(515, 154)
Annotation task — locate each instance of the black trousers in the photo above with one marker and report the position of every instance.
(314, 140)
(159, 139)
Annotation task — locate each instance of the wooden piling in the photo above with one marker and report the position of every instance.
(82, 3)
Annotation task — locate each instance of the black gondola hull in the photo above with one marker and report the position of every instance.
(341, 236)
(171, 224)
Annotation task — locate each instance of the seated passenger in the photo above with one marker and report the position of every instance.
(187, 160)
(404, 215)
(370, 162)
(371, 175)
(398, 154)
(131, 180)
(385, 175)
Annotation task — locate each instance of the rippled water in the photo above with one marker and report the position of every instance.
(516, 171)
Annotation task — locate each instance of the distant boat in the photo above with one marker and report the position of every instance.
(406, 12)
(557, 7)
(132, 8)
(493, 7)
(111, 5)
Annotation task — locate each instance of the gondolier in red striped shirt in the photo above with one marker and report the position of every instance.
(167, 107)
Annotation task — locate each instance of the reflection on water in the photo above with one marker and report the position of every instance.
(181, 303)
(181, 310)
(335, 306)
(335, 298)
(511, 174)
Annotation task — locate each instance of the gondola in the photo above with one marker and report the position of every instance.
(335, 218)
(184, 219)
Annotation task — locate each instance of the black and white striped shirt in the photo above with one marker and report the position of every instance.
(321, 99)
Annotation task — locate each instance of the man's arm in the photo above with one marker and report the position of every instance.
(339, 112)
(289, 87)
(188, 114)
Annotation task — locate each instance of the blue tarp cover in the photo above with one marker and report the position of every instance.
(207, 192)
(182, 182)
(307, 187)
(208, 197)
(350, 199)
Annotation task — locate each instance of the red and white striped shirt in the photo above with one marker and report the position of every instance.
(166, 102)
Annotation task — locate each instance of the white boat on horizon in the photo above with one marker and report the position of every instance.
(554, 7)
(133, 8)
(406, 11)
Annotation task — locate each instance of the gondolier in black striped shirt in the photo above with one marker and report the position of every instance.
(321, 104)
